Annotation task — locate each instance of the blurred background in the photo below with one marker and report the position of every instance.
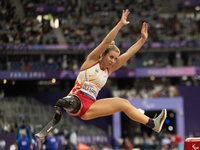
(43, 43)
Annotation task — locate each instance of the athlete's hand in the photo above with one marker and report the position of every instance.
(123, 20)
(144, 31)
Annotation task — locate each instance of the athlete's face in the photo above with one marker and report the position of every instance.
(110, 58)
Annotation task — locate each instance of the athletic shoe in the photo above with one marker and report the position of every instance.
(160, 120)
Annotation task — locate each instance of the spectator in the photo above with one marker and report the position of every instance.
(50, 60)
(24, 143)
(6, 127)
(138, 141)
(1, 115)
(24, 129)
(73, 139)
(14, 127)
(75, 64)
(2, 94)
(64, 63)
(22, 64)
(128, 144)
(120, 142)
(27, 66)
(2, 144)
(66, 135)
(34, 143)
(1, 125)
(50, 142)
(13, 146)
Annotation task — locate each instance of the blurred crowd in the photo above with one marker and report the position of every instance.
(25, 139)
(86, 22)
(73, 61)
(142, 140)
(157, 90)
(152, 142)
(98, 17)
(51, 62)
(22, 31)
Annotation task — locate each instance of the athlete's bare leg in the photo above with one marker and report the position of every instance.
(109, 106)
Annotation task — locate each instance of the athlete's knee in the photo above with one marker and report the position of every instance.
(126, 101)
(70, 103)
(123, 103)
(122, 100)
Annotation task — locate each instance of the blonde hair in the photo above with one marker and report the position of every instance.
(23, 134)
(50, 134)
(113, 47)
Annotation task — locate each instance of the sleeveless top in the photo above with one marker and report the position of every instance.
(90, 81)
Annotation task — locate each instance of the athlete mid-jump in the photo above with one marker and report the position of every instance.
(100, 63)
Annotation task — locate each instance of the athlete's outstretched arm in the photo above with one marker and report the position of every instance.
(132, 50)
(110, 37)
(94, 55)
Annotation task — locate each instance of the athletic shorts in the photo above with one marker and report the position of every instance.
(86, 102)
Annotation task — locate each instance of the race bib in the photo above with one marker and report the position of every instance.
(90, 90)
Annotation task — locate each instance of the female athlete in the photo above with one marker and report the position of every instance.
(100, 63)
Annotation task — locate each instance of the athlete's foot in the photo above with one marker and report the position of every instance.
(160, 120)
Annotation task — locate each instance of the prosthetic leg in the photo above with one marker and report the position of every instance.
(71, 104)
(50, 125)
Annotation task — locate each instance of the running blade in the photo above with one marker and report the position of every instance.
(49, 126)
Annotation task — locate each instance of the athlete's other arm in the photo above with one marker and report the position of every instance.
(132, 50)
(93, 57)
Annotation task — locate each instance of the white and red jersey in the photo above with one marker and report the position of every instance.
(90, 81)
